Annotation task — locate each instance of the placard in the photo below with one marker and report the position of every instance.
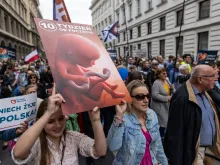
(16, 110)
(6, 52)
(206, 56)
(82, 69)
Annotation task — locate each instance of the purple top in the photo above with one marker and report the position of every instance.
(147, 157)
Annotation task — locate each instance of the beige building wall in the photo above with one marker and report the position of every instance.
(17, 28)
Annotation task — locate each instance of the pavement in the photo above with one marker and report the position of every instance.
(5, 158)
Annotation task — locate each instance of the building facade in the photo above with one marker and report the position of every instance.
(151, 27)
(102, 16)
(17, 28)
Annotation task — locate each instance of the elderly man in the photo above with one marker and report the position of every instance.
(183, 75)
(193, 124)
(151, 74)
(160, 61)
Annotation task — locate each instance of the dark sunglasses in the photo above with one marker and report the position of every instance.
(141, 97)
(33, 77)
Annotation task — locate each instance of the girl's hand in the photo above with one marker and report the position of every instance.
(94, 115)
(54, 101)
(121, 108)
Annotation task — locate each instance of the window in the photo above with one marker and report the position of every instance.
(131, 50)
(139, 46)
(204, 9)
(139, 31)
(124, 36)
(124, 20)
(149, 28)
(149, 4)
(119, 51)
(162, 48)
(6, 22)
(179, 15)
(149, 49)
(203, 40)
(124, 51)
(138, 7)
(180, 47)
(118, 37)
(131, 34)
(110, 20)
(106, 22)
(12, 27)
(118, 17)
(130, 11)
(162, 23)
(109, 3)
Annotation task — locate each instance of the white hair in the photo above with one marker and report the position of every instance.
(183, 67)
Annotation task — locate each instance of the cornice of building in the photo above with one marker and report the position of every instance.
(37, 2)
(94, 2)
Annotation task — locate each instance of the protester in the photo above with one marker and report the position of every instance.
(160, 61)
(13, 133)
(161, 95)
(187, 59)
(135, 135)
(41, 90)
(215, 92)
(151, 75)
(193, 125)
(173, 75)
(3, 66)
(183, 75)
(47, 142)
(135, 76)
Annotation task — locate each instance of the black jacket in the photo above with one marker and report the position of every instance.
(150, 79)
(215, 95)
(183, 128)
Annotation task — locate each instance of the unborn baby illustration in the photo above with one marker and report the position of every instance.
(81, 87)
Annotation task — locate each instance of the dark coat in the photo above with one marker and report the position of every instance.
(183, 129)
(151, 77)
(215, 95)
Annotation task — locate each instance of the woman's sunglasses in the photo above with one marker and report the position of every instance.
(33, 77)
(141, 97)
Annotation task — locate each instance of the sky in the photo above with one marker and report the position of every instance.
(78, 10)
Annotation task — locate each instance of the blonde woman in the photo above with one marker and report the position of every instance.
(134, 133)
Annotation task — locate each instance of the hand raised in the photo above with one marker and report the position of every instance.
(121, 108)
(54, 101)
(94, 114)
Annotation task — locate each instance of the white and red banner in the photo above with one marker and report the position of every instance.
(32, 56)
(16, 110)
(60, 12)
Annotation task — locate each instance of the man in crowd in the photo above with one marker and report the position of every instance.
(151, 74)
(160, 61)
(193, 124)
(187, 60)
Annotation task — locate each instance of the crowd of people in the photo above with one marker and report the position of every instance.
(174, 116)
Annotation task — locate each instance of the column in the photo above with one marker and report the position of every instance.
(9, 24)
(14, 28)
(2, 19)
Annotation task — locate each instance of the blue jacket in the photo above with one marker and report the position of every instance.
(130, 143)
(8, 135)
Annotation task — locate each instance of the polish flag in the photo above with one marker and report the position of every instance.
(32, 57)
(60, 12)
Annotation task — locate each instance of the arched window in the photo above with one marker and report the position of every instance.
(2, 43)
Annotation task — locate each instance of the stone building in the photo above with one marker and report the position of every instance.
(153, 26)
(102, 16)
(17, 27)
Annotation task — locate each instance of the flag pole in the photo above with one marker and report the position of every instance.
(126, 31)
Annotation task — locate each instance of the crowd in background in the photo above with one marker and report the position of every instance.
(152, 83)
